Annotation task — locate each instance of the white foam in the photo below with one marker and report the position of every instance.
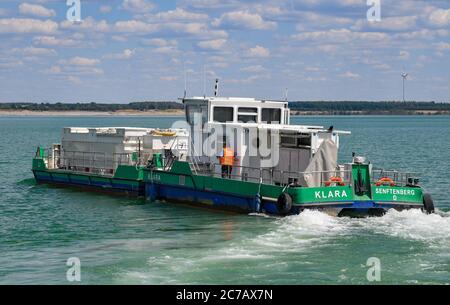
(410, 224)
(298, 234)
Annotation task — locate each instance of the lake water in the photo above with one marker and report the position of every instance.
(121, 240)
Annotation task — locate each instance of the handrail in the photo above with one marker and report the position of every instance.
(399, 178)
(83, 161)
(284, 177)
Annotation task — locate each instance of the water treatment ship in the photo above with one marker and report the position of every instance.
(237, 154)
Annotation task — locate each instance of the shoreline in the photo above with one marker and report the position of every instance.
(92, 113)
(368, 113)
(180, 112)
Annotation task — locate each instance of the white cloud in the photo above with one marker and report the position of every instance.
(33, 51)
(138, 6)
(180, 14)
(169, 78)
(333, 2)
(89, 24)
(53, 41)
(440, 17)
(258, 51)
(328, 48)
(165, 50)
(25, 26)
(125, 55)
(73, 79)
(250, 79)
(382, 66)
(36, 10)
(340, 36)
(74, 68)
(159, 42)
(53, 70)
(350, 75)
(244, 20)
(389, 23)
(82, 61)
(135, 26)
(216, 44)
(423, 34)
(11, 64)
(442, 46)
(320, 19)
(199, 30)
(253, 69)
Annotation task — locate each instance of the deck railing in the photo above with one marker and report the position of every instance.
(273, 176)
(106, 164)
(398, 178)
(91, 162)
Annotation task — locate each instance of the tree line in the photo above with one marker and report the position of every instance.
(331, 107)
(344, 107)
(362, 105)
(137, 106)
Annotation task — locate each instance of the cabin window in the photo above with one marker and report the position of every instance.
(296, 140)
(247, 114)
(248, 110)
(223, 114)
(247, 118)
(271, 116)
(196, 110)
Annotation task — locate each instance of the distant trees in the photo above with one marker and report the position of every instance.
(345, 107)
(138, 106)
(327, 107)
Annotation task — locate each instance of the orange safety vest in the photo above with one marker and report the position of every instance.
(228, 157)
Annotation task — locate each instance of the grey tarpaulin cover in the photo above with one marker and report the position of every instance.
(325, 160)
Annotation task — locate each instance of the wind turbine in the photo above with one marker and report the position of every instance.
(404, 76)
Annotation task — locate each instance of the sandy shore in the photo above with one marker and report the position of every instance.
(180, 112)
(176, 112)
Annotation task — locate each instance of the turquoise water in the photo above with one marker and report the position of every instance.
(121, 240)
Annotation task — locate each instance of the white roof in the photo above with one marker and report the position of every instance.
(229, 99)
(283, 127)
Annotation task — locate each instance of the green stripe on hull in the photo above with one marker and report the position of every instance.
(397, 194)
(235, 187)
(181, 175)
(321, 194)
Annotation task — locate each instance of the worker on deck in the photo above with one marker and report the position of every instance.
(227, 158)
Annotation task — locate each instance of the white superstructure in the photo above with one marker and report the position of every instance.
(296, 147)
(95, 149)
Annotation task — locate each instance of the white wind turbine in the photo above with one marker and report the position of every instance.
(404, 76)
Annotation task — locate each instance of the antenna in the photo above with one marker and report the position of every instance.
(286, 94)
(404, 76)
(204, 82)
(216, 88)
(185, 80)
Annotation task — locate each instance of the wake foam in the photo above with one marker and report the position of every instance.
(297, 234)
(412, 225)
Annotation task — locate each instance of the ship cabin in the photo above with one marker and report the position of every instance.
(285, 153)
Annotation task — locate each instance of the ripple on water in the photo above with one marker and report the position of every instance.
(294, 241)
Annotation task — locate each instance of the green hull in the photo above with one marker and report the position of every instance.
(181, 184)
(180, 179)
(126, 180)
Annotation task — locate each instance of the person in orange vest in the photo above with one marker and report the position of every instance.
(227, 158)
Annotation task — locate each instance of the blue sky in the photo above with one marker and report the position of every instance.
(134, 50)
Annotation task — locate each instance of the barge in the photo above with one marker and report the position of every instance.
(274, 167)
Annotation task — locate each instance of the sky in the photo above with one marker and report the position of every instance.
(135, 50)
